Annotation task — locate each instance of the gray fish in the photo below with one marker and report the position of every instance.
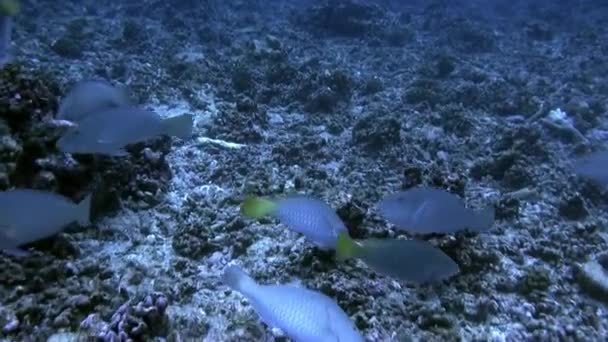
(108, 132)
(425, 211)
(593, 166)
(302, 314)
(414, 261)
(30, 215)
(88, 97)
(303, 214)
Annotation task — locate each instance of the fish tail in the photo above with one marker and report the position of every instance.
(484, 219)
(257, 207)
(237, 279)
(179, 126)
(346, 247)
(83, 211)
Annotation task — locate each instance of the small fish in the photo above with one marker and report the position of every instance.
(413, 261)
(593, 166)
(8, 9)
(303, 214)
(30, 215)
(88, 97)
(108, 132)
(302, 314)
(426, 211)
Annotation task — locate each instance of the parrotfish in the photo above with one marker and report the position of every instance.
(413, 261)
(88, 97)
(303, 214)
(425, 211)
(28, 215)
(302, 314)
(108, 132)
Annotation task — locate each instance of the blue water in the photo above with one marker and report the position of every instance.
(497, 102)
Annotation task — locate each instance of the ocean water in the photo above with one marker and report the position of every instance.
(345, 100)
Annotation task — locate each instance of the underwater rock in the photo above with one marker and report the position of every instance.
(375, 133)
(423, 91)
(144, 320)
(539, 31)
(68, 47)
(194, 241)
(239, 126)
(454, 119)
(470, 38)
(352, 214)
(302, 150)
(332, 88)
(372, 85)
(412, 176)
(444, 66)
(242, 80)
(323, 100)
(507, 208)
(573, 208)
(29, 159)
(536, 279)
(517, 177)
(344, 18)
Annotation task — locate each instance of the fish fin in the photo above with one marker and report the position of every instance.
(346, 247)
(84, 211)
(16, 252)
(179, 126)
(484, 219)
(257, 207)
(237, 279)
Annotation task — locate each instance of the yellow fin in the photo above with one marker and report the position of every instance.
(257, 207)
(346, 247)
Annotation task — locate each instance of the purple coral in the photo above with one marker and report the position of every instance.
(137, 322)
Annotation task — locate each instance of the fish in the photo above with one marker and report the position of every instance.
(108, 132)
(8, 9)
(88, 97)
(302, 314)
(304, 214)
(414, 261)
(593, 166)
(428, 210)
(28, 215)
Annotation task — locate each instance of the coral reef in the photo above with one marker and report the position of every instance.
(347, 100)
